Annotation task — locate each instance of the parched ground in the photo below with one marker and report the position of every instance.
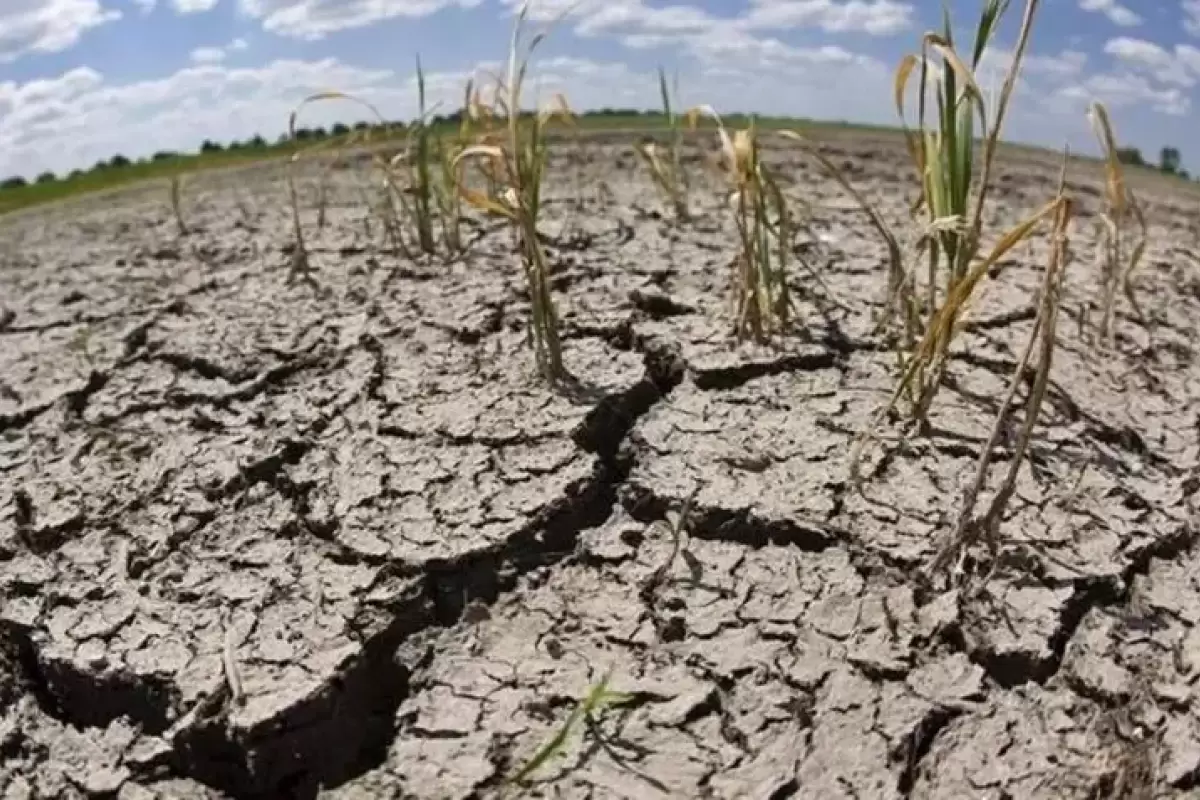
(272, 539)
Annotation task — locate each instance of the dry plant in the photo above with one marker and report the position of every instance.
(951, 238)
(512, 158)
(300, 266)
(1119, 252)
(449, 200)
(762, 303)
(394, 208)
(416, 195)
(177, 204)
(895, 256)
(970, 528)
(666, 169)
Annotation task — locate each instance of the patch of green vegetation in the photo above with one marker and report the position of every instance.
(18, 193)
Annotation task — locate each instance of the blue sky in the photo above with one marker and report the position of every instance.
(83, 79)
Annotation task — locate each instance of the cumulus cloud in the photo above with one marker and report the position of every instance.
(315, 19)
(635, 20)
(1176, 67)
(47, 26)
(80, 117)
(208, 55)
(214, 55)
(1191, 17)
(875, 17)
(193, 6)
(1116, 13)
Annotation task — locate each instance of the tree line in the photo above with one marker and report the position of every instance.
(1169, 161)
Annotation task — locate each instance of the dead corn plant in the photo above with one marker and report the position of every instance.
(177, 204)
(665, 163)
(405, 186)
(512, 158)
(449, 200)
(895, 256)
(1123, 230)
(300, 267)
(410, 173)
(1040, 345)
(761, 299)
(944, 153)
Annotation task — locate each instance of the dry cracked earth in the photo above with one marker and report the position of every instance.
(272, 539)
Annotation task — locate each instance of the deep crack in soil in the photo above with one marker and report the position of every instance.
(262, 539)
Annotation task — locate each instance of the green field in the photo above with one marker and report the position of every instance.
(100, 178)
(110, 177)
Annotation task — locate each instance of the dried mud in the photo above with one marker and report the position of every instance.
(264, 539)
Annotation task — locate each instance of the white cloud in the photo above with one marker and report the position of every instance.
(79, 118)
(1176, 68)
(1191, 17)
(876, 17)
(208, 55)
(146, 5)
(215, 55)
(637, 21)
(314, 19)
(193, 6)
(47, 26)
(1123, 90)
(1116, 13)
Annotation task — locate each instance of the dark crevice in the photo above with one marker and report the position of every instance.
(265, 470)
(272, 377)
(918, 744)
(21, 418)
(742, 526)
(17, 652)
(725, 378)
(77, 399)
(657, 304)
(205, 368)
(1027, 314)
(1013, 669)
(94, 699)
(322, 742)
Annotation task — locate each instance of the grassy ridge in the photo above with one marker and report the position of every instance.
(32, 194)
(100, 179)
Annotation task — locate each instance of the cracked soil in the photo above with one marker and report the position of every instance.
(262, 539)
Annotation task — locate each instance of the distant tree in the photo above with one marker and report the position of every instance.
(209, 146)
(1168, 160)
(319, 133)
(1183, 173)
(339, 129)
(15, 182)
(75, 174)
(163, 155)
(118, 161)
(1130, 155)
(361, 126)
(47, 177)
(257, 141)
